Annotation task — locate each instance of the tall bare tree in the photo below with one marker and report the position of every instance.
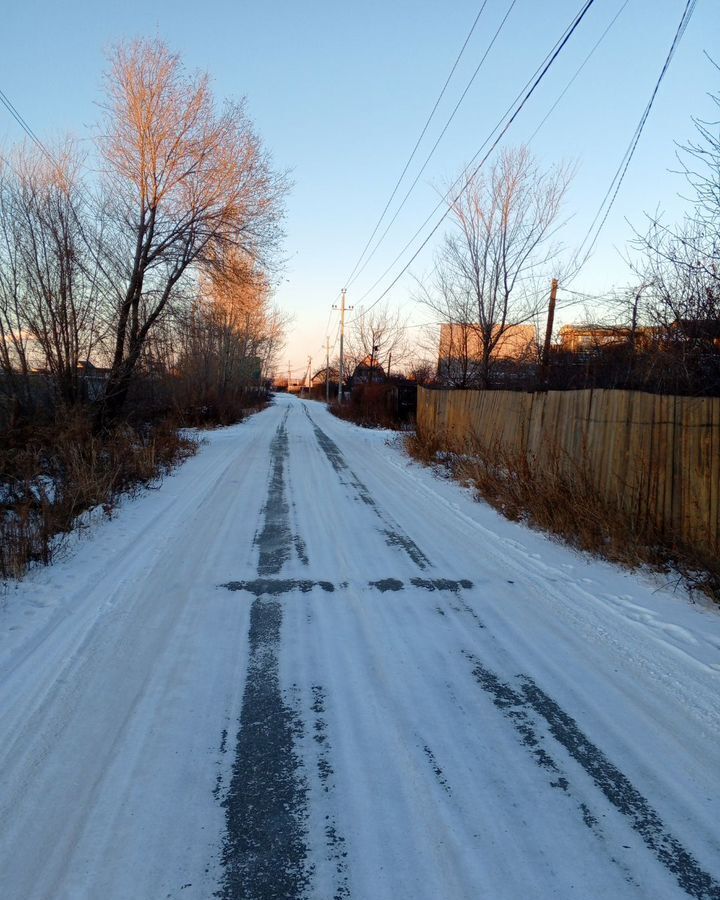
(488, 268)
(50, 281)
(378, 335)
(229, 339)
(189, 183)
(678, 266)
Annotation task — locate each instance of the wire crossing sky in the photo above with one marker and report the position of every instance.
(341, 94)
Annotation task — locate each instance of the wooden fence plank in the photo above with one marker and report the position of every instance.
(659, 456)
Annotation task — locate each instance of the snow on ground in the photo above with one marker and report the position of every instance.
(306, 666)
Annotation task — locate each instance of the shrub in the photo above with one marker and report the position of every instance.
(51, 474)
(370, 405)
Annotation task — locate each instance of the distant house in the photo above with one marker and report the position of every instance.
(368, 371)
(324, 375)
(584, 338)
(93, 379)
(296, 385)
(698, 331)
(460, 351)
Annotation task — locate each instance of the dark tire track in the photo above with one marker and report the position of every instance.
(264, 853)
(517, 705)
(275, 540)
(394, 535)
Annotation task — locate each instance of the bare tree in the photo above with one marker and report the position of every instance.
(377, 337)
(189, 183)
(700, 160)
(421, 371)
(487, 270)
(49, 286)
(678, 266)
(229, 339)
(455, 344)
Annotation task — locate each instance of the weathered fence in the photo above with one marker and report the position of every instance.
(659, 456)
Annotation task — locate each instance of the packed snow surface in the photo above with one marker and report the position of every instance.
(306, 667)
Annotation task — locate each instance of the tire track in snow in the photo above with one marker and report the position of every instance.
(265, 853)
(334, 840)
(265, 856)
(275, 539)
(517, 705)
(394, 535)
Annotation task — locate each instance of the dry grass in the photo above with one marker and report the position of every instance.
(50, 475)
(221, 411)
(562, 499)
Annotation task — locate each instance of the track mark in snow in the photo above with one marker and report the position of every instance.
(471, 612)
(397, 539)
(428, 584)
(334, 840)
(441, 584)
(301, 550)
(387, 584)
(512, 704)
(394, 536)
(623, 795)
(325, 769)
(264, 852)
(273, 587)
(275, 539)
(223, 750)
(517, 705)
(437, 771)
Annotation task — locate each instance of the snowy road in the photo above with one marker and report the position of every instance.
(305, 667)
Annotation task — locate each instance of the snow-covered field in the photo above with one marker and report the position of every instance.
(306, 667)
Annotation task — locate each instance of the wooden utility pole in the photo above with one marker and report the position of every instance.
(549, 330)
(327, 369)
(343, 308)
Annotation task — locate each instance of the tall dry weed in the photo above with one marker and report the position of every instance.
(561, 498)
(50, 475)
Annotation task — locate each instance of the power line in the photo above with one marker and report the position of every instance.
(332, 310)
(587, 296)
(350, 279)
(619, 176)
(22, 122)
(519, 103)
(440, 137)
(579, 69)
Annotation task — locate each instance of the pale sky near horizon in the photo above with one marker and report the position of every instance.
(339, 94)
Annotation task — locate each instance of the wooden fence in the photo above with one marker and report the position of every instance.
(659, 456)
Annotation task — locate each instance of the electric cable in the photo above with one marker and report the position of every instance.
(579, 70)
(619, 176)
(350, 279)
(518, 103)
(437, 142)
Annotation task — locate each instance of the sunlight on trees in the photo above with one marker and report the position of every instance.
(179, 236)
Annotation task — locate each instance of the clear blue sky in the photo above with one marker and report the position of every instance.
(339, 93)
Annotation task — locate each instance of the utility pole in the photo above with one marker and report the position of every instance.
(289, 376)
(549, 330)
(327, 369)
(343, 308)
(309, 374)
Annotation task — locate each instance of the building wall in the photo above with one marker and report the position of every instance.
(463, 340)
